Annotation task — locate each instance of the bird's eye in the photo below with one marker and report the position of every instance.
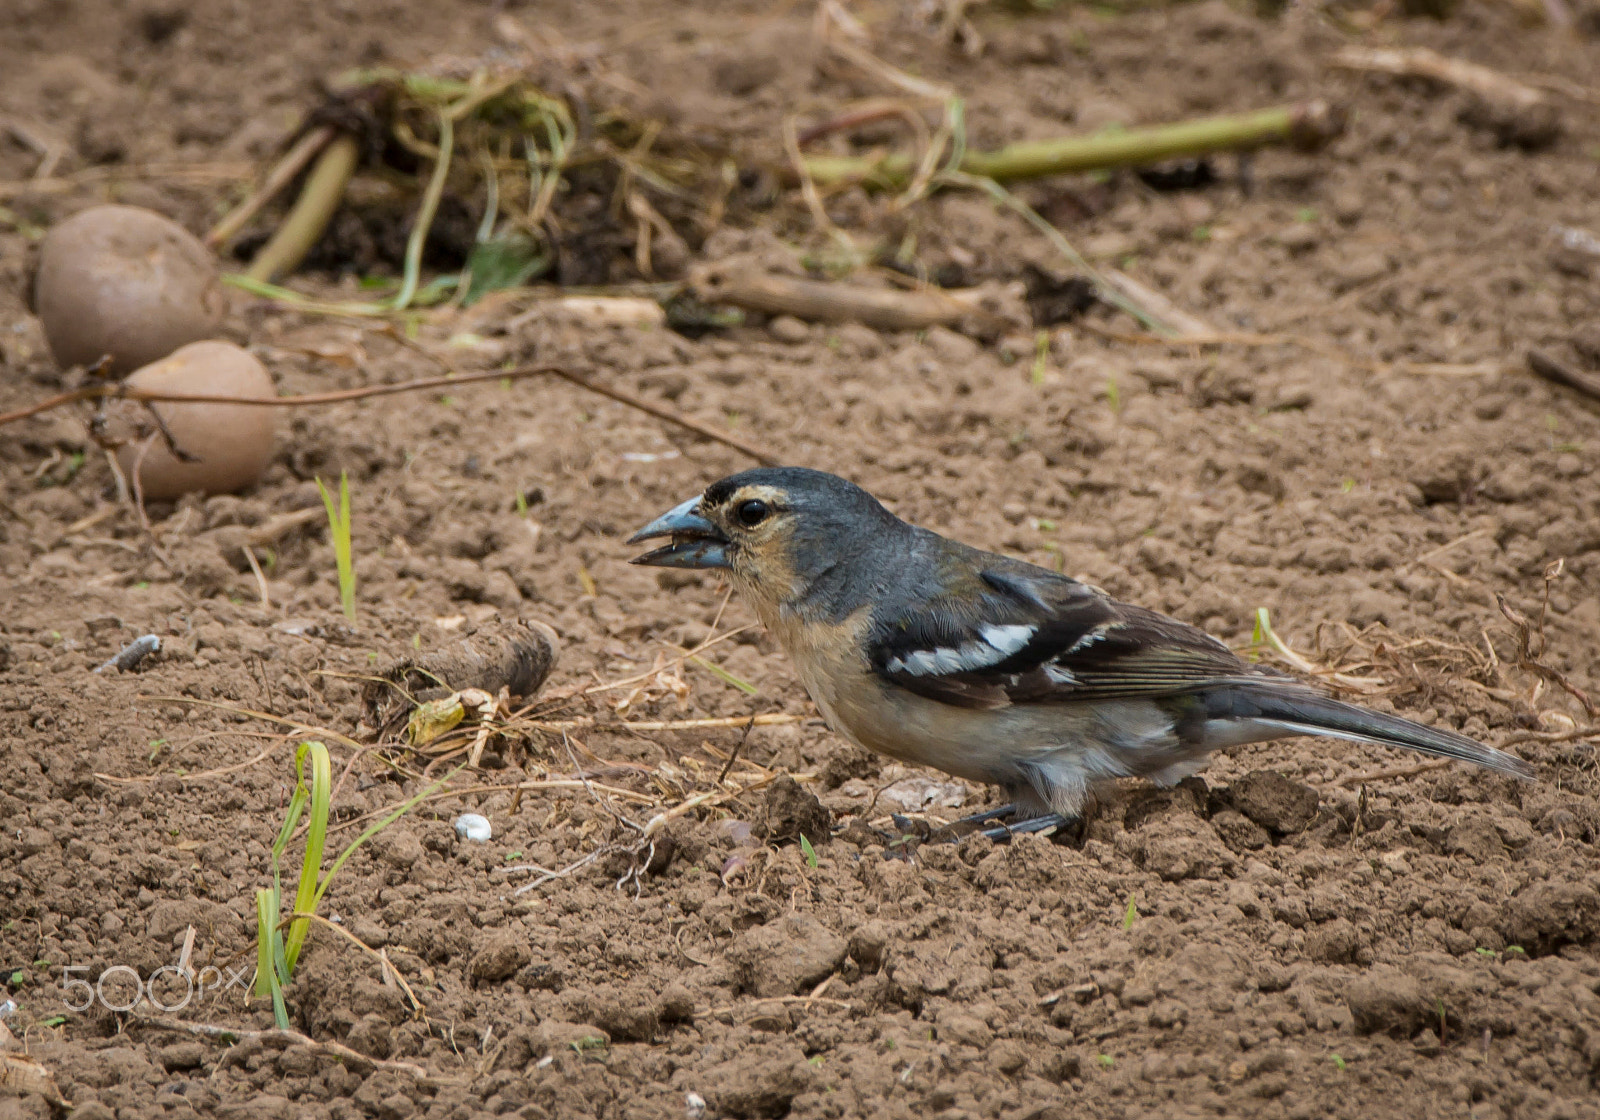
(752, 513)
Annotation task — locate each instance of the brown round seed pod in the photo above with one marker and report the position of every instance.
(231, 443)
(124, 282)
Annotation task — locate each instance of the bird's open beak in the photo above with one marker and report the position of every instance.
(696, 542)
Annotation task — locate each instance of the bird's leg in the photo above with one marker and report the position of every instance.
(1032, 824)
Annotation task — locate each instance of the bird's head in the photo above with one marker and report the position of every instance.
(776, 531)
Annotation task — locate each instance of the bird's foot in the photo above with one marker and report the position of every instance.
(1048, 823)
(965, 826)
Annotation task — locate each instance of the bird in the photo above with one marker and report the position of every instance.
(991, 669)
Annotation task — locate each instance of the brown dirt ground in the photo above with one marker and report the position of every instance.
(1299, 945)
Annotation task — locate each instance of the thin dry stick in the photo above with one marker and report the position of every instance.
(661, 412)
(1554, 369)
(261, 577)
(352, 1058)
(304, 150)
(701, 648)
(383, 961)
(297, 727)
(205, 775)
(566, 741)
(1420, 62)
(829, 302)
(551, 876)
(1550, 736)
(313, 210)
(737, 747)
(1394, 772)
(123, 391)
(770, 719)
(552, 783)
(808, 186)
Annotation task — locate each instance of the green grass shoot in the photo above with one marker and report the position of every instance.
(279, 940)
(1265, 636)
(808, 851)
(726, 677)
(339, 532)
(1131, 914)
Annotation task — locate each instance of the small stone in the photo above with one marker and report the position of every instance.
(1008, 1058)
(676, 1004)
(1347, 204)
(791, 811)
(1386, 1000)
(786, 957)
(1300, 237)
(1490, 406)
(1436, 197)
(966, 1030)
(1239, 832)
(1361, 267)
(471, 826)
(1333, 942)
(1427, 1043)
(182, 1055)
(1274, 802)
(787, 329)
(498, 956)
(869, 944)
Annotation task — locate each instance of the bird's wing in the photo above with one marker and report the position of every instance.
(1025, 635)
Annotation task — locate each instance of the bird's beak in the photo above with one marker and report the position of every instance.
(696, 542)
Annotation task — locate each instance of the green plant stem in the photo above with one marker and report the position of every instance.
(312, 212)
(425, 213)
(1307, 125)
(339, 532)
(307, 892)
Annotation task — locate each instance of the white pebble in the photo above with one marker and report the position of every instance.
(470, 826)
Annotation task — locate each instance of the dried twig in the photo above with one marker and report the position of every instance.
(382, 958)
(354, 1059)
(1554, 369)
(282, 174)
(1394, 772)
(313, 210)
(1420, 62)
(123, 391)
(1529, 654)
(879, 308)
(733, 754)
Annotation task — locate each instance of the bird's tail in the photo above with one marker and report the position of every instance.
(1298, 712)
